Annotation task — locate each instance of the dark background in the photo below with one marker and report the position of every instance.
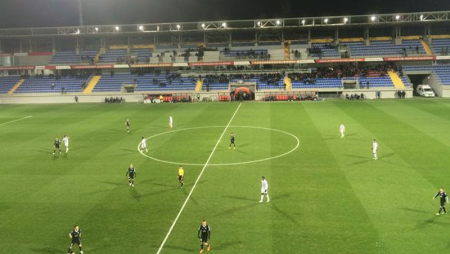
(39, 13)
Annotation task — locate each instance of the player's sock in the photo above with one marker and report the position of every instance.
(81, 249)
(440, 210)
(443, 208)
(262, 197)
(208, 248)
(268, 199)
(68, 251)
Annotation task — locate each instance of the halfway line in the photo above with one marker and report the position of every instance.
(195, 184)
(15, 120)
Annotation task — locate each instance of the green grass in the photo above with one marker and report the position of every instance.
(327, 196)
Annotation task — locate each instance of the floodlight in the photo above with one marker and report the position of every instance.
(96, 29)
(203, 25)
(278, 22)
(224, 25)
(345, 20)
(141, 28)
(117, 28)
(373, 18)
(303, 22)
(326, 21)
(397, 17)
(178, 26)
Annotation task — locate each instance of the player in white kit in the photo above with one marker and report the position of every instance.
(170, 121)
(342, 130)
(264, 189)
(375, 149)
(66, 142)
(144, 145)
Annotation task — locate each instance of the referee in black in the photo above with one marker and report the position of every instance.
(443, 198)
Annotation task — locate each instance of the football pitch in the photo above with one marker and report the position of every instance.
(327, 194)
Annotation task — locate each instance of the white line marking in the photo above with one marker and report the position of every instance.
(222, 164)
(196, 181)
(15, 120)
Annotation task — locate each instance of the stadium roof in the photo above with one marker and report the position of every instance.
(229, 25)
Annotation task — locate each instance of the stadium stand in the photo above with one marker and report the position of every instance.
(148, 82)
(114, 56)
(246, 54)
(7, 83)
(385, 48)
(70, 57)
(52, 85)
(323, 50)
(142, 54)
(441, 46)
(442, 71)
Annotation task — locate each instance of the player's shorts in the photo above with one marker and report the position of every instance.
(204, 239)
(57, 146)
(442, 203)
(66, 145)
(263, 191)
(180, 178)
(77, 242)
(143, 146)
(131, 177)
(232, 142)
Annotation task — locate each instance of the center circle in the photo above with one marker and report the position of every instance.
(222, 164)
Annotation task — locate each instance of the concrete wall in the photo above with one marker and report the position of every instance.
(214, 95)
(68, 98)
(32, 60)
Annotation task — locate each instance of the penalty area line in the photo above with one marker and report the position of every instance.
(196, 182)
(13, 121)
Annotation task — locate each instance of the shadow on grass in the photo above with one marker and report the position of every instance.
(284, 214)
(237, 209)
(432, 221)
(135, 194)
(158, 192)
(48, 250)
(179, 248)
(226, 245)
(415, 210)
(77, 148)
(122, 183)
(242, 198)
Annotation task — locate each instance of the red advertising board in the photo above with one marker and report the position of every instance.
(151, 65)
(211, 63)
(340, 60)
(81, 67)
(410, 58)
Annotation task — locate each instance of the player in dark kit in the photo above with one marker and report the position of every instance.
(127, 123)
(204, 233)
(131, 173)
(232, 141)
(443, 198)
(75, 236)
(57, 145)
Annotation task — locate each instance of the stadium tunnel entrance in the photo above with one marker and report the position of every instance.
(243, 94)
(418, 79)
